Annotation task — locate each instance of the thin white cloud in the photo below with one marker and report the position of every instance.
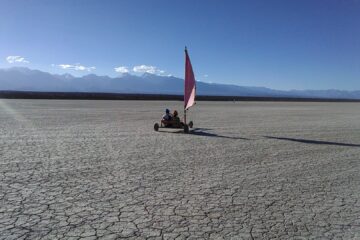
(121, 69)
(144, 69)
(76, 67)
(205, 75)
(148, 69)
(16, 59)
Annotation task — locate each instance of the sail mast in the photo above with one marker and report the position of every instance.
(189, 88)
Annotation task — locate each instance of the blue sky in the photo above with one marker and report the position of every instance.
(307, 44)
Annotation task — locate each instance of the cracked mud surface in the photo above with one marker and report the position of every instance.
(250, 170)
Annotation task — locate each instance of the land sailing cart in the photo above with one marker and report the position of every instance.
(189, 98)
(173, 124)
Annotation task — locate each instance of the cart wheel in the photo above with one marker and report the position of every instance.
(156, 127)
(191, 124)
(186, 128)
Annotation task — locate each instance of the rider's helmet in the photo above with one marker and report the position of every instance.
(167, 111)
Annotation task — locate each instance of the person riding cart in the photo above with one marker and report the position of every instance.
(176, 120)
(166, 119)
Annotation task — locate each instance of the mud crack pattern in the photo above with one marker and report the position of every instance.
(97, 170)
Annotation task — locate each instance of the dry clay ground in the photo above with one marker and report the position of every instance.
(250, 170)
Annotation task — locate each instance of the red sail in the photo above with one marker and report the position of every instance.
(189, 94)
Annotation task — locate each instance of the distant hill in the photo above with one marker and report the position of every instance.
(24, 79)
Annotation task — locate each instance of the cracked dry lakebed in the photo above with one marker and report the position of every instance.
(248, 170)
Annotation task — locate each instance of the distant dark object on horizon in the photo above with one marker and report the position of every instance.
(24, 79)
(163, 97)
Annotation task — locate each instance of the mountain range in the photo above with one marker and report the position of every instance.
(25, 79)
